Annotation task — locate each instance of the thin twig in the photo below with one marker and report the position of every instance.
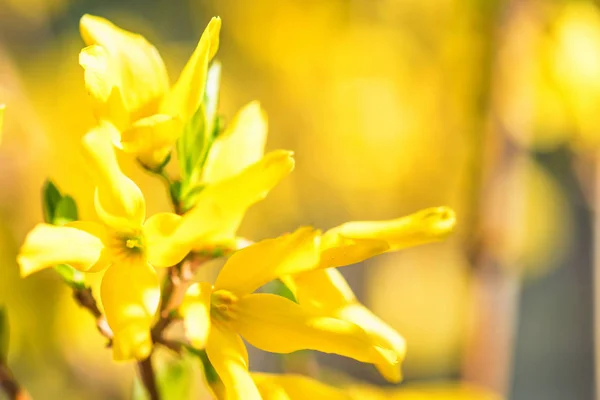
(148, 377)
(85, 298)
(9, 384)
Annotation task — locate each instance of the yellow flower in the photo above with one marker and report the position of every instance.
(216, 316)
(292, 387)
(130, 247)
(128, 83)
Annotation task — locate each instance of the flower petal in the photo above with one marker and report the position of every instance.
(195, 310)
(255, 265)
(187, 93)
(425, 226)
(130, 293)
(2, 107)
(295, 387)
(162, 249)
(241, 145)
(136, 67)
(219, 208)
(48, 245)
(102, 83)
(326, 291)
(276, 324)
(227, 353)
(151, 138)
(119, 202)
(338, 250)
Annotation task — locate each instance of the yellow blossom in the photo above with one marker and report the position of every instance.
(217, 316)
(128, 83)
(130, 247)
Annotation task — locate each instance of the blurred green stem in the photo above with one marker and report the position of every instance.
(10, 386)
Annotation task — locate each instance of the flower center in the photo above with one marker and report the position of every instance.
(223, 305)
(128, 246)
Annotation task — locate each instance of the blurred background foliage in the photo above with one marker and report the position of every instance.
(488, 106)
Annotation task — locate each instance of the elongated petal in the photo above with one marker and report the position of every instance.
(162, 249)
(102, 82)
(119, 202)
(228, 355)
(49, 245)
(276, 324)
(136, 67)
(151, 138)
(425, 226)
(253, 266)
(188, 92)
(130, 293)
(220, 207)
(326, 291)
(338, 250)
(241, 145)
(295, 387)
(195, 310)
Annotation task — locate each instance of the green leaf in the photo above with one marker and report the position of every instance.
(190, 145)
(280, 289)
(71, 276)
(4, 334)
(50, 198)
(66, 211)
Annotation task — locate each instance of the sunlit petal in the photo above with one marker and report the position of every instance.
(276, 324)
(195, 310)
(162, 249)
(187, 93)
(425, 226)
(241, 145)
(140, 72)
(119, 202)
(130, 294)
(49, 245)
(227, 353)
(220, 207)
(255, 265)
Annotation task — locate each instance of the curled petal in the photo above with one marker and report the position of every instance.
(273, 323)
(220, 207)
(119, 202)
(425, 226)
(229, 357)
(151, 138)
(241, 145)
(255, 265)
(134, 65)
(326, 291)
(295, 387)
(130, 293)
(195, 310)
(187, 93)
(49, 245)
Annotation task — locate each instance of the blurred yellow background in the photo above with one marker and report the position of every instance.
(491, 107)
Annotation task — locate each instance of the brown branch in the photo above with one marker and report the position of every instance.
(85, 299)
(148, 377)
(11, 387)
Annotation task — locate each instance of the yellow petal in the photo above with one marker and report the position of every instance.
(425, 226)
(338, 250)
(295, 387)
(241, 145)
(162, 249)
(195, 310)
(276, 324)
(102, 83)
(327, 291)
(49, 245)
(150, 139)
(228, 355)
(253, 266)
(140, 73)
(119, 202)
(130, 293)
(187, 93)
(219, 208)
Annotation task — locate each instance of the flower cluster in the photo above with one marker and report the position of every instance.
(223, 171)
